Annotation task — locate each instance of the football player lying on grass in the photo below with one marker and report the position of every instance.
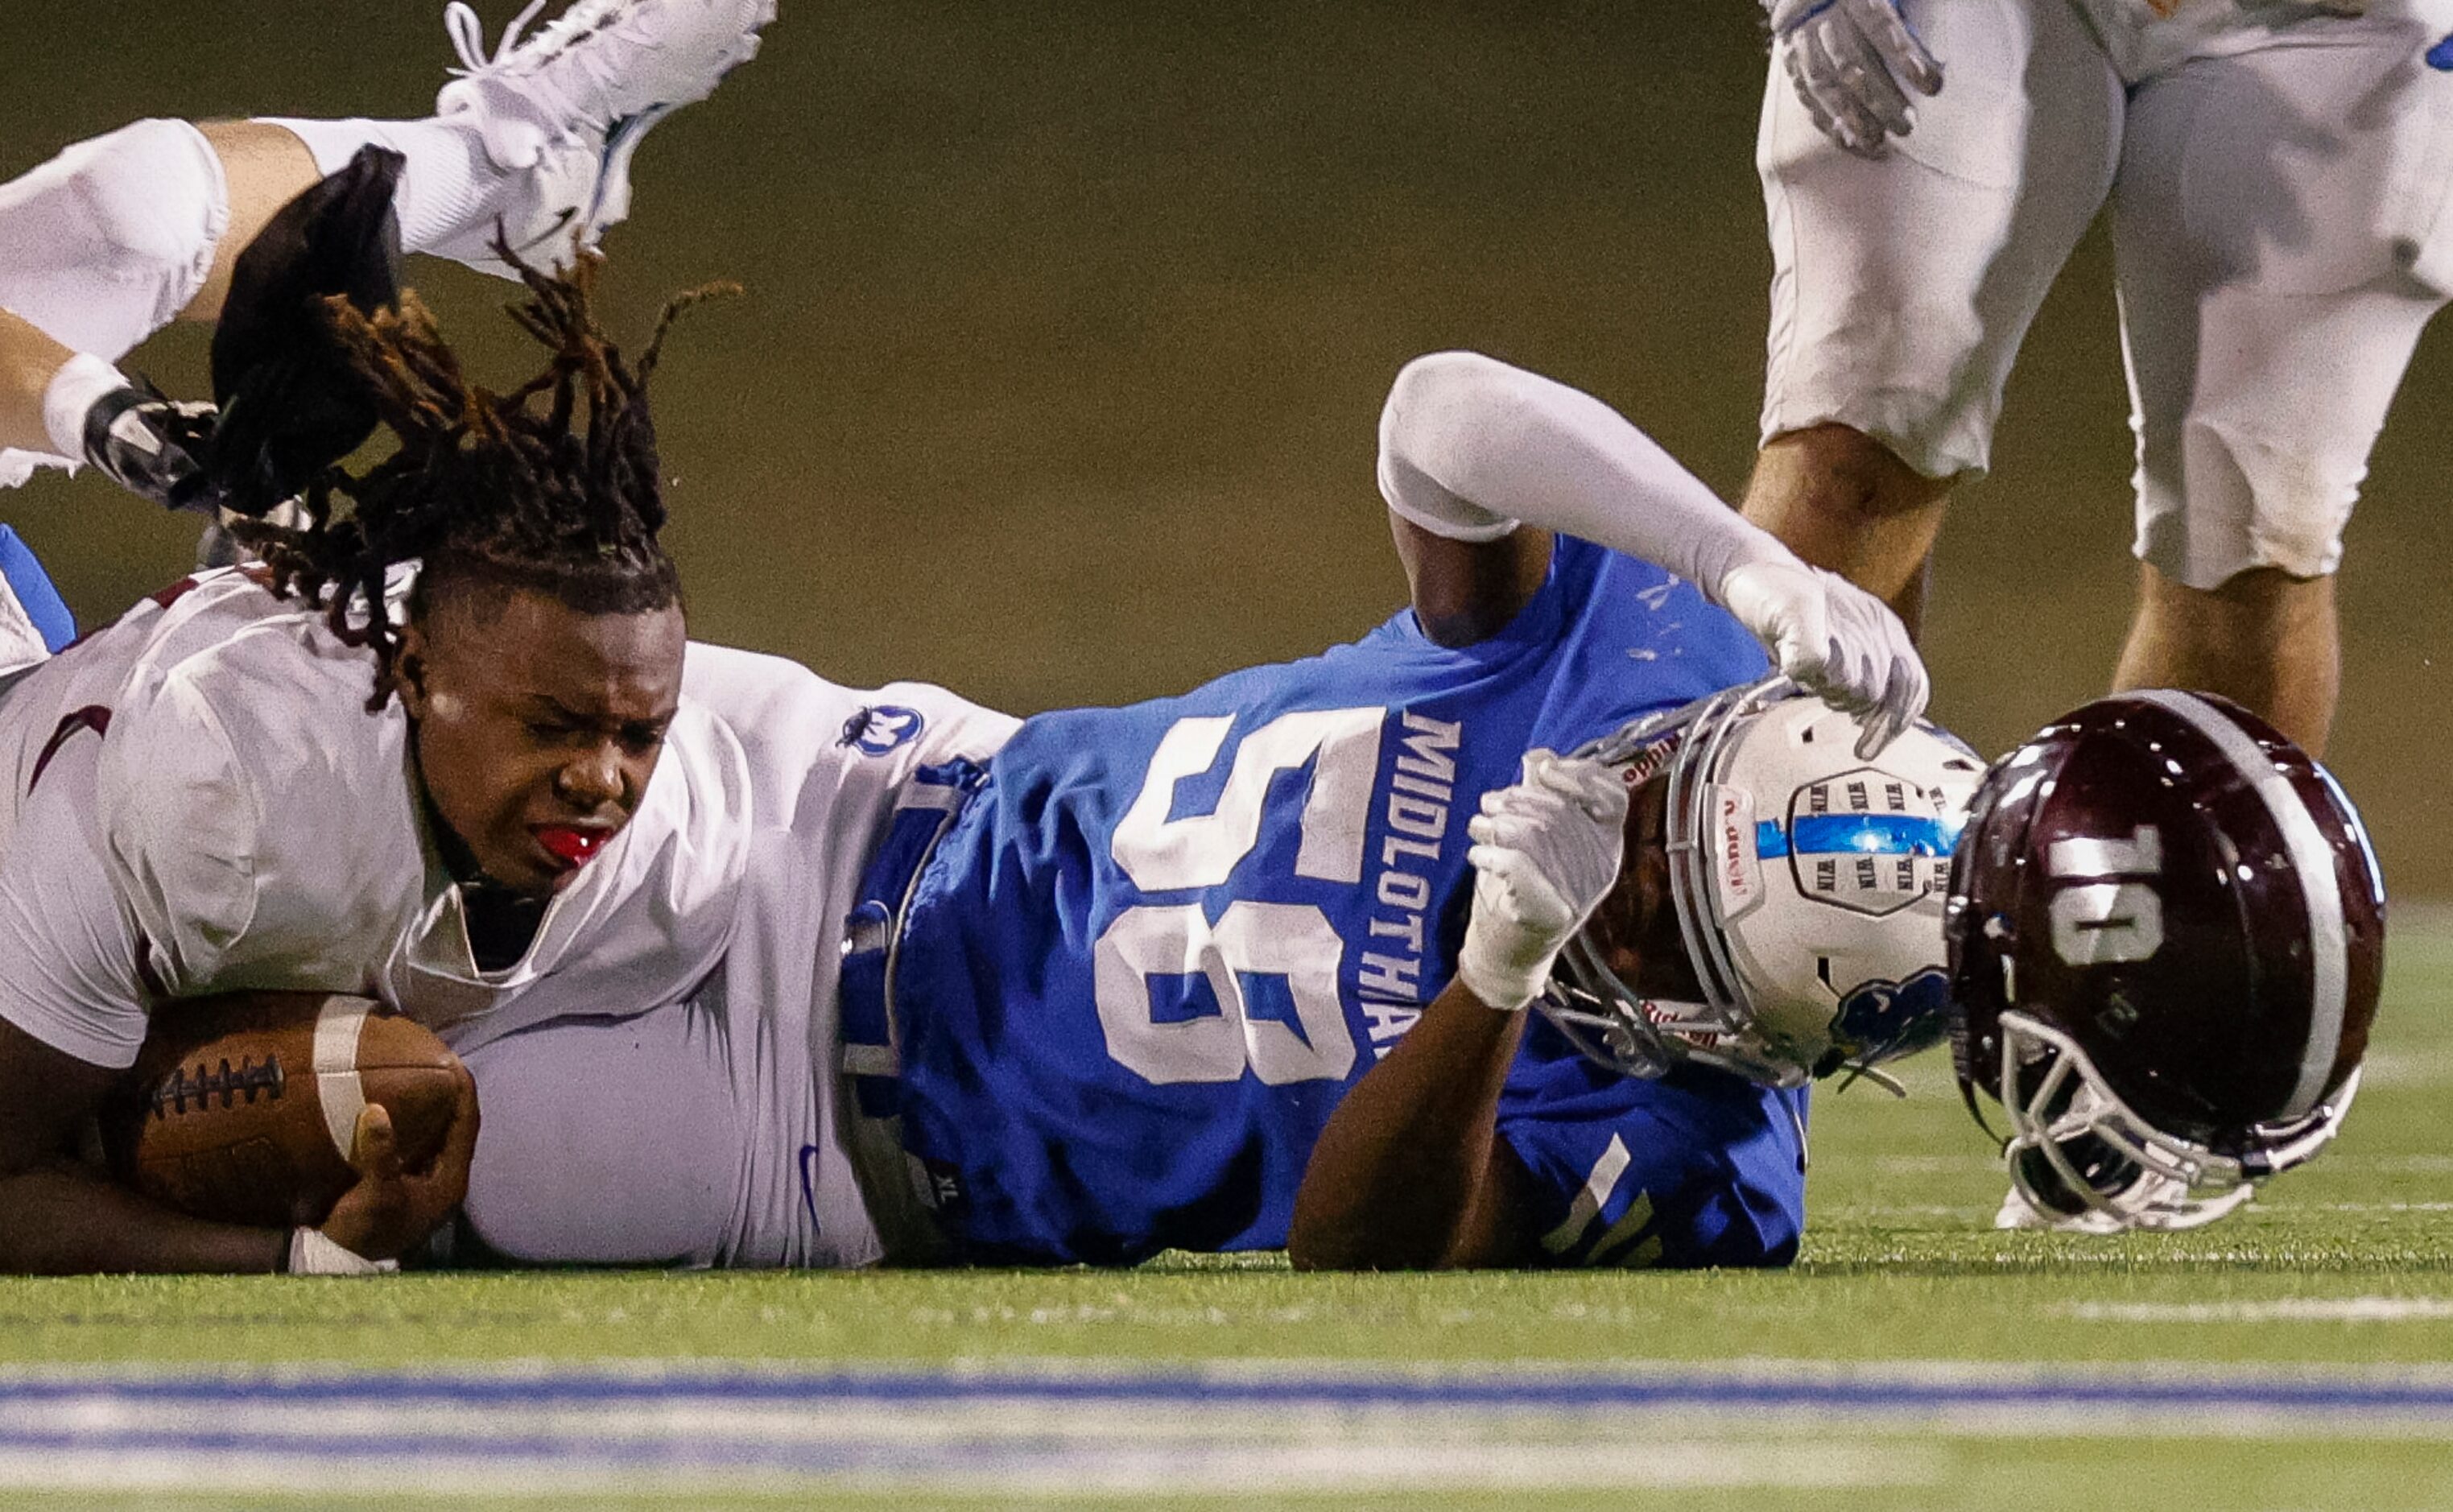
(1111, 1110)
(527, 818)
(1248, 968)
(1128, 987)
(1100, 993)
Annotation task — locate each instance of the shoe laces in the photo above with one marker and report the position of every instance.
(527, 56)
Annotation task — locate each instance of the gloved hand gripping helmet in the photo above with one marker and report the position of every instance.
(1808, 889)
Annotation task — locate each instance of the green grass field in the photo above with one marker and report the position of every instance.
(2339, 1275)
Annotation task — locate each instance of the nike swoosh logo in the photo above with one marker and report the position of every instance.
(562, 219)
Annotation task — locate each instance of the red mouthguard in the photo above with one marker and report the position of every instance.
(577, 847)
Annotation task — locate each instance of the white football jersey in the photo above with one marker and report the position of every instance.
(258, 829)
(714, 1134)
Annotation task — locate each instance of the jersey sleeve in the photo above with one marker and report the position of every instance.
(1629, 639)
(73, 980)
(958, 729)
(34, 620)
(1696, 1169)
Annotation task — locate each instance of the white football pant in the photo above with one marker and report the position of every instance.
(2279, 180)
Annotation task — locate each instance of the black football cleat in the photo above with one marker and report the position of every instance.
(153, 446)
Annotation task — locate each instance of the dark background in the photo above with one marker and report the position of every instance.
(1068, 327)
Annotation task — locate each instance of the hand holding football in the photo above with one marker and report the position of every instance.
(246, 1108)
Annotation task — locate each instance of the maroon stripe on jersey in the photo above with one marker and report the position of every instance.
(175, 592)
(93, 717)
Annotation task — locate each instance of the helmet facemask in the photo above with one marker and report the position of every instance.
(2063, 1114)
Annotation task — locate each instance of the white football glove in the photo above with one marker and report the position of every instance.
(1545, 851)
(1853, 62)
(1835, 640)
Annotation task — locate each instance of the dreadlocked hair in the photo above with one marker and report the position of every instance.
(551, 487)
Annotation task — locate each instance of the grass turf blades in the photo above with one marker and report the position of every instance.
(2343, 1272)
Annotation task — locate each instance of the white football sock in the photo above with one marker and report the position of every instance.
(74, 390)
(450, 185)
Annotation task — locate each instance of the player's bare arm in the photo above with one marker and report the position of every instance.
(1411, 1172)
(59, 1216)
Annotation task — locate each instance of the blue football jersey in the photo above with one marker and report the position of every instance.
(1157, 944)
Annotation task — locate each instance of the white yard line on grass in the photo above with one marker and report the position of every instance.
(1060, 1470)
(1040, 1431)
(1932, 1165)
(2393, 1164)
(2372, 1208)
(2289, 1309)
(2407, 1068)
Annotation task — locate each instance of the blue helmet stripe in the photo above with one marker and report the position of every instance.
(1857, 834)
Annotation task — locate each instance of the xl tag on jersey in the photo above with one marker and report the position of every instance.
(1737, 856)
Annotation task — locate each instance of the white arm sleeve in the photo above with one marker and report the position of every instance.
(71, 978)
(1471, 447)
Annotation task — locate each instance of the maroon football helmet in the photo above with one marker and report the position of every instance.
(2166, 936)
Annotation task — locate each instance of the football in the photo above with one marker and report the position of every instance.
(240, 1107)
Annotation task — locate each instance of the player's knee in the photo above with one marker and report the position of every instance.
(1841, 476)
(2244, 614)
(150, 190)
(109, 240)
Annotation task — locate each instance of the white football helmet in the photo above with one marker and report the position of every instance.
(1808, 885)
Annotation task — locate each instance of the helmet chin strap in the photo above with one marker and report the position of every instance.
(1603, 1015)
(1859, 1071)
